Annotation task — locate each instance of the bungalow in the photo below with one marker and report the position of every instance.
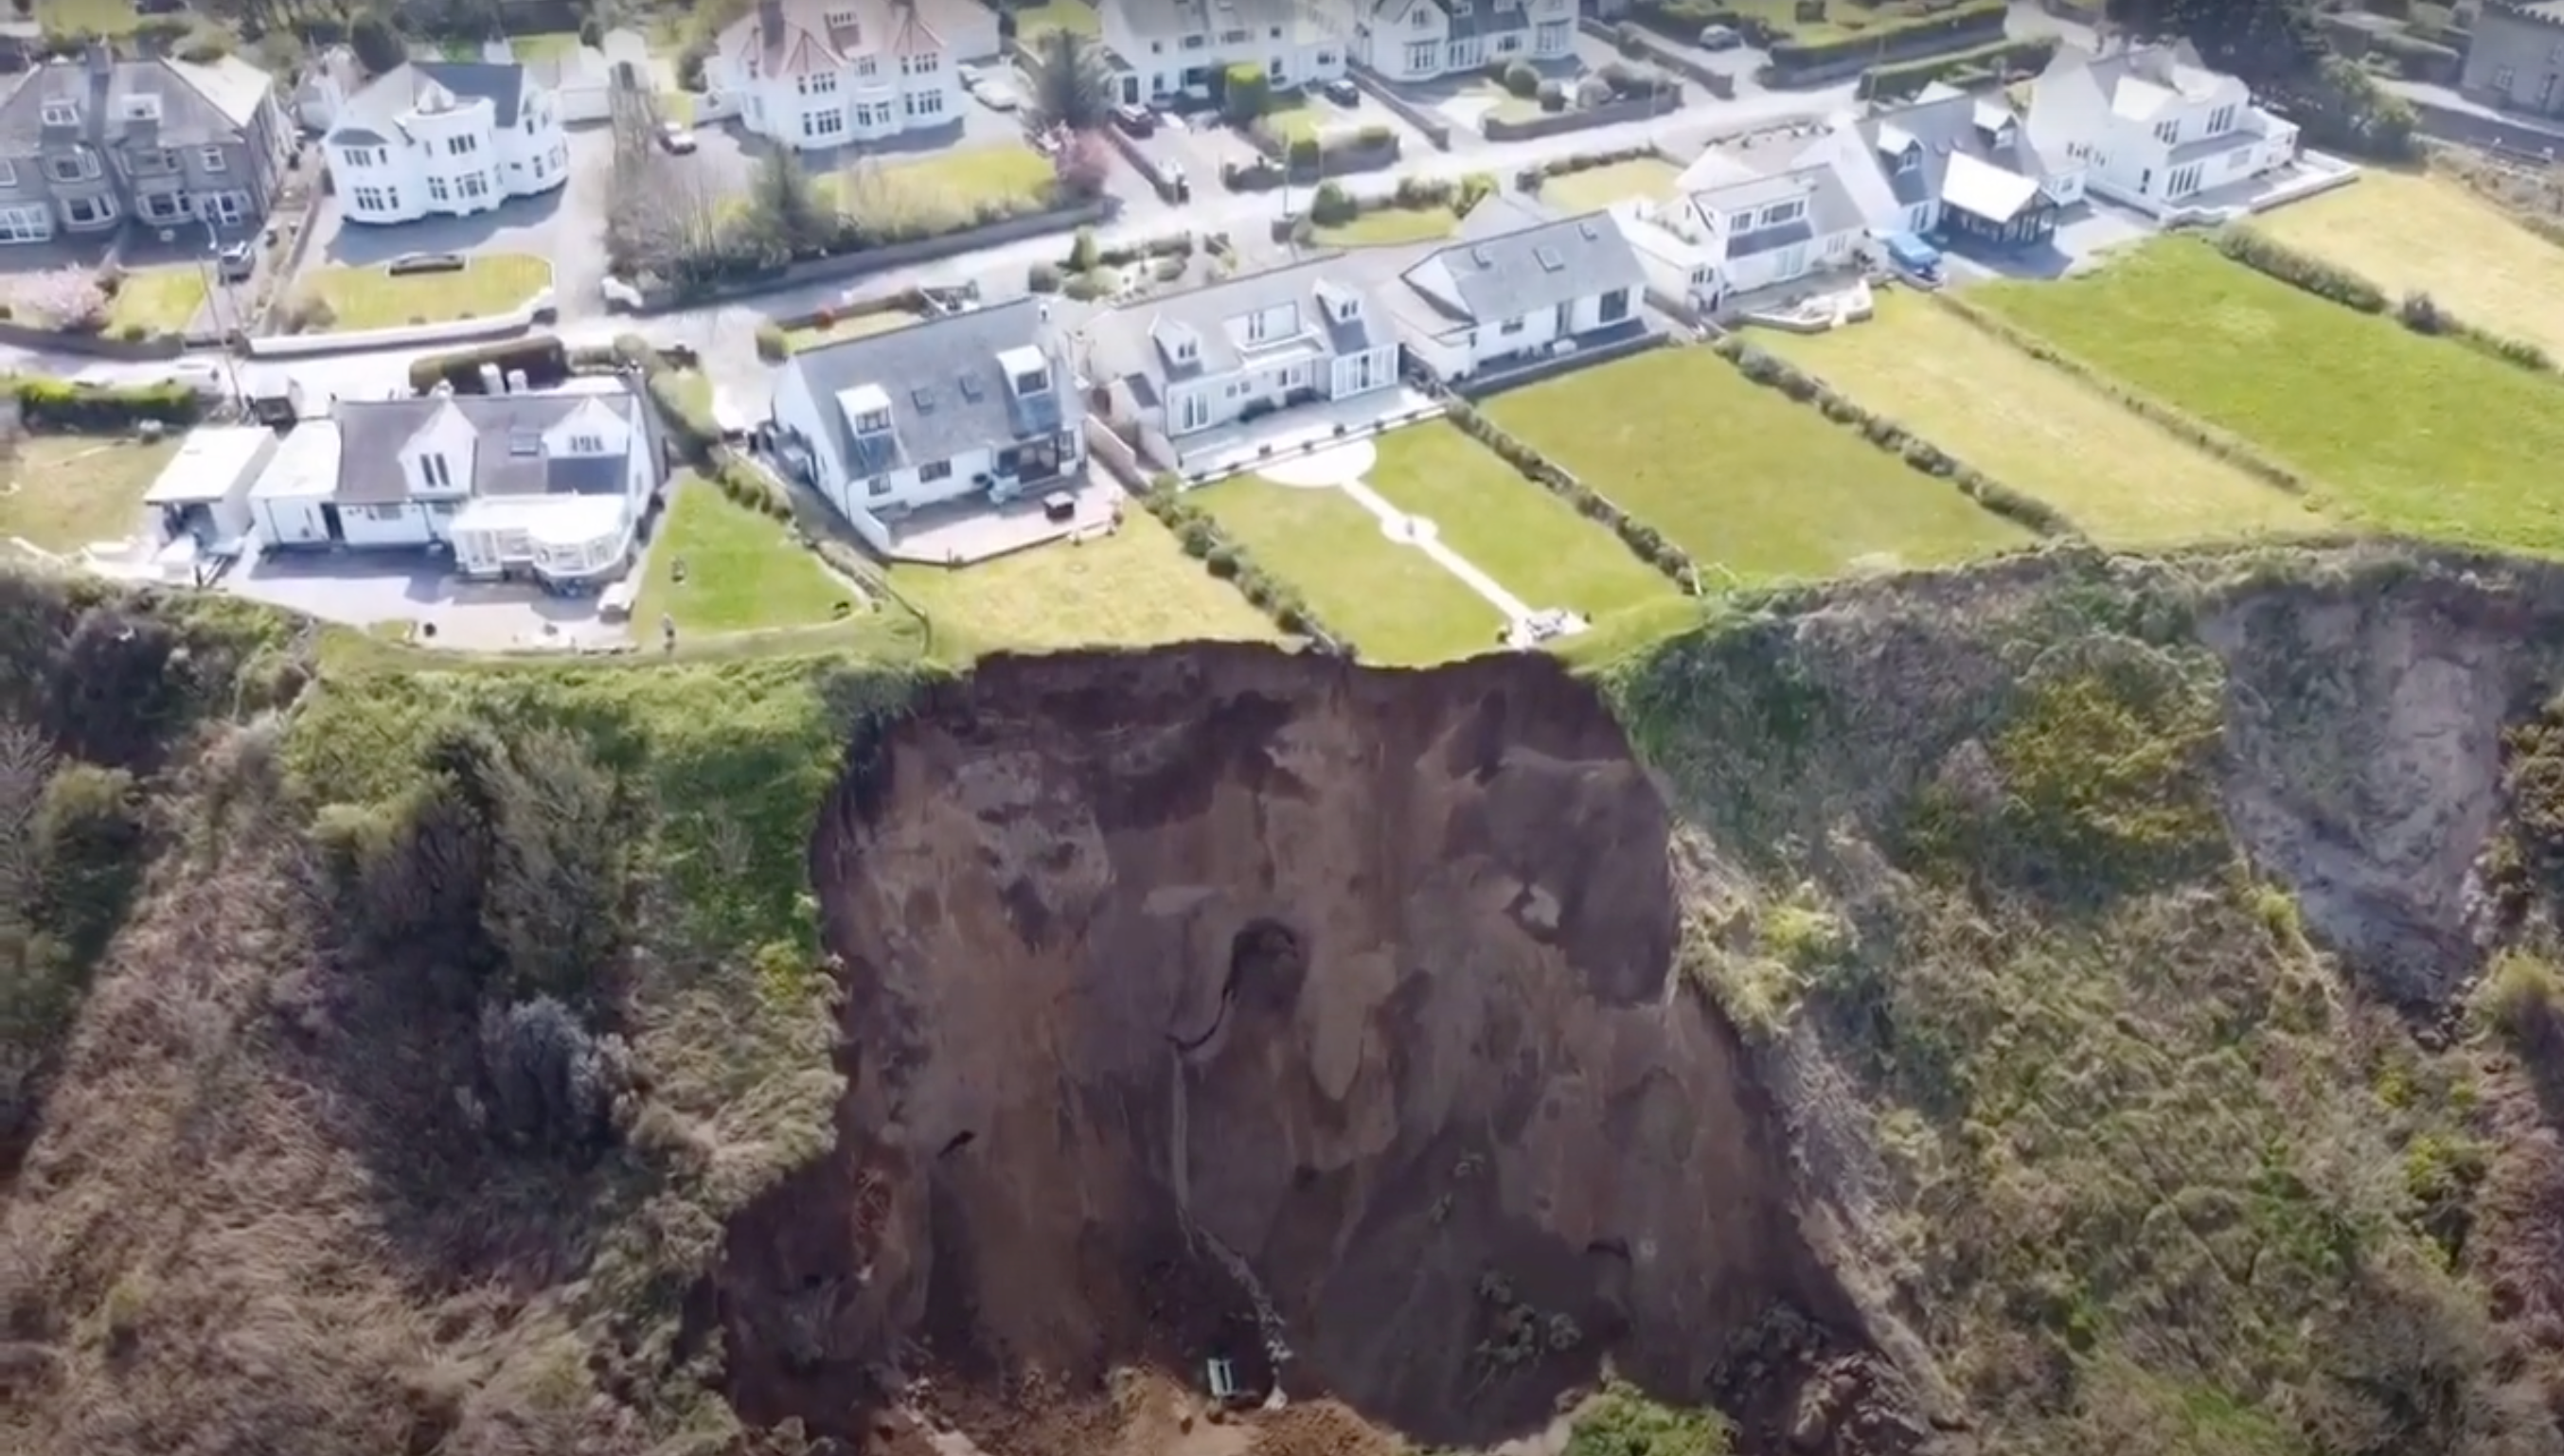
(1966, 167)
(1422, 39)
(1515, 288)
(1753, 228)
(548, 484)
(979, 402)
(1180, 371)
(2152, 127)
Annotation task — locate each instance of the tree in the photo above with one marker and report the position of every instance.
(2257, 40)
(1081, 164)
(1070, 80)
(783, 208)
(378, 47)
(1246, 94)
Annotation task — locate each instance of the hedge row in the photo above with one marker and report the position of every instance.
(1966, 18)
(1643, 541)
(2417, 311)
(57, 404)
(1224, 557)
(1904, 78)
(542, 358)
(1773, 373)
(746, 485)
(2233, 449)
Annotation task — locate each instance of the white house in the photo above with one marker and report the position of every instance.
(444, 138)
(1161, 48)
(2153, 126)
(203, 493)
(816, 73)
(1518, 287)
(547, 484)
(1183, 370)
(1752, 230)
(328, 82)
(1420, 40)
(975, 402)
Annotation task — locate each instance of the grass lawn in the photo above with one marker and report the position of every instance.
(2405, 433)
(942, 190)
(2038, 429)
(1293, 118)
(1396, 603)
(1599, 187)
(860, 325)
(62, 491)
(1530, 540)
(1133, 587)
(373, 298)
(744, 570)
(544, 44)
(1388, 226)
(157, 299)
(678, 106)
(1032, 20)
(2409, 233)
(101, 17)
(1507, 106)
(1742, 478)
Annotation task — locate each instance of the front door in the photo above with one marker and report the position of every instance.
(227, 207)
(1129, 91)
(1794, 261)
(1566, 321)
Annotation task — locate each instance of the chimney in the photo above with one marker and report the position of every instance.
(769, 23)
(101, 58)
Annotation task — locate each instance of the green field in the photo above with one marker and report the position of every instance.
(2037, 429)
(744, 571)
(60, 493)
(1388, 226)
(1530, 540)
(1396, 603)
(1739, 476)
(376, 297)
(941, 192)
(1127, 589)
(1645, 177)
(2405, 432)
(1069, 15)
(157, 299)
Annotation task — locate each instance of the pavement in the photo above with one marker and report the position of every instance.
(724, 334)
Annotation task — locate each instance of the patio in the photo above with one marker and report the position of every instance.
(958, 532)
(1228, 450)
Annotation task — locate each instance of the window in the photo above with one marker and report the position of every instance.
(1232, 37)
(70, 168)
(841, 20)
(925, 65)
(823, 84)
(1512, 326)
(875, 113)
(151, 162)
(474, 186)
(1554, 37)
(830, 123)
(437, 192)
(932, 471)
(370, 199)
(1195, 42)
(872, 422)
(1419, 18)
(867, 67)
(1276, 34)
(1421, 55)
(2168, 132)
(525, 444)
(24, 225)
(587, 444)
(8, 175)
(141, 108)
(1783, 211)
(2502, 76)
(1255, 329)
(1507, 43)
(1909, 160)
(926, 104)
(211, 158)
(560, 156)
(1616, 305)
(383, 513)
(161, 207)
(1326, 58)
(877, 485)
(61, 114)
(89, 210)
(434, 473)
(1031, 383)
(2221, 120)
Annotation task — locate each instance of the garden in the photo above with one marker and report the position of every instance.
(1131, 588)
(1396, 604)
(345, 299)
(718, 567)
(60, 493)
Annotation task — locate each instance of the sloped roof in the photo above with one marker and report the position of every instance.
(945, 387)
(796, 37)
(199, 104)
(1523, 272)
(375, 112)
(373, 432)
(1123, 343)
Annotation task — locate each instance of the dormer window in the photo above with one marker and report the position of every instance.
(61, 114)
(587, 444)
(2168, 132)
(1782, 212)
(873, 422)
(434, 473)
(525, 443)
(2221, 120)
(1254, 329)
(1184, 348)
(1910, 159)
(841, 20)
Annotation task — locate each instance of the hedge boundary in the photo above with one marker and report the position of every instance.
(1761, 367)
(1643, 541)
(2182, 425)
(1226, 557)
(59, 404)
(2333, 284)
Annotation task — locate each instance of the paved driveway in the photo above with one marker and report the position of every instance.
(364, 588)
(565, 226)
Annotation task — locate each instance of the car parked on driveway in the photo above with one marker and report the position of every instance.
(1341, 91)
(236, 262)
(998, 93)
(1720, 38)
(1135, 119)
(676, 136)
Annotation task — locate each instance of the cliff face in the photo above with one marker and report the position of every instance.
(1231, 1003)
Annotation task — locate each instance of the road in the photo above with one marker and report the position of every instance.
(724, 334)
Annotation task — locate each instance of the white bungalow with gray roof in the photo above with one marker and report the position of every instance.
(979, 402)
(1507, 293)
(1751, 229)
(1965, 165)
(548, 484)
(1183, 370)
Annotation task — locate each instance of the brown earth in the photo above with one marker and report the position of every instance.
(1364, 976)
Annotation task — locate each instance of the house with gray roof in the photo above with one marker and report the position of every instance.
(1423, 39)
(1966, 165)
(1182, 372)
(90, 145)
(2152, 127)
(1518, 287)
(976, 403)
(546, 485)
(1160, 48)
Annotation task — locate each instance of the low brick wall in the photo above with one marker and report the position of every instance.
(94, 345)
(893, 254)
(1561, 122)
(1139, 160)
(1436, 128)
(1655, 52)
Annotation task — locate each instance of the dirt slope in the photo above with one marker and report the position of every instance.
(1156, 964)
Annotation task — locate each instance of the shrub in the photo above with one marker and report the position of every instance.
(378, 47)
(71, 299)
(1592, 91)
(2520, 996)
(1082, 251)
(58, 404)
(1332, 205)
(1042, 278)
(1246, 92)
(1304, 154)
(2262, 253)
(1084, 288)
(771, 345)
(1553, 96)
(591, 32)
(1522, 80)
(549, 1084)
(2417, 312)
(88, 835)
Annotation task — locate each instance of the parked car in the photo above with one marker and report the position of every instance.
(1341, 91)
(1174, 172)
(676, 136)
(996, 95)
(1720, 38)
(1135, 119)
(236, 262)
(969, 76)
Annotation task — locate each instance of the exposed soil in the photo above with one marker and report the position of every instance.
(1159, 963)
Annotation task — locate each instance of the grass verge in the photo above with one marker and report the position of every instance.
(1391, 599)
(1645, 177)
(156, 300)
(376, 297)
(1132, 588)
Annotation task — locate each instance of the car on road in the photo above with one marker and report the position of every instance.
(1720, 38)
(676, 136)
(236, 262)
(1135, 119)
(1341, 91)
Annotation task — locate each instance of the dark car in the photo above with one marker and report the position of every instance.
(1138, 121)
(236, 262)
(1341, 91)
